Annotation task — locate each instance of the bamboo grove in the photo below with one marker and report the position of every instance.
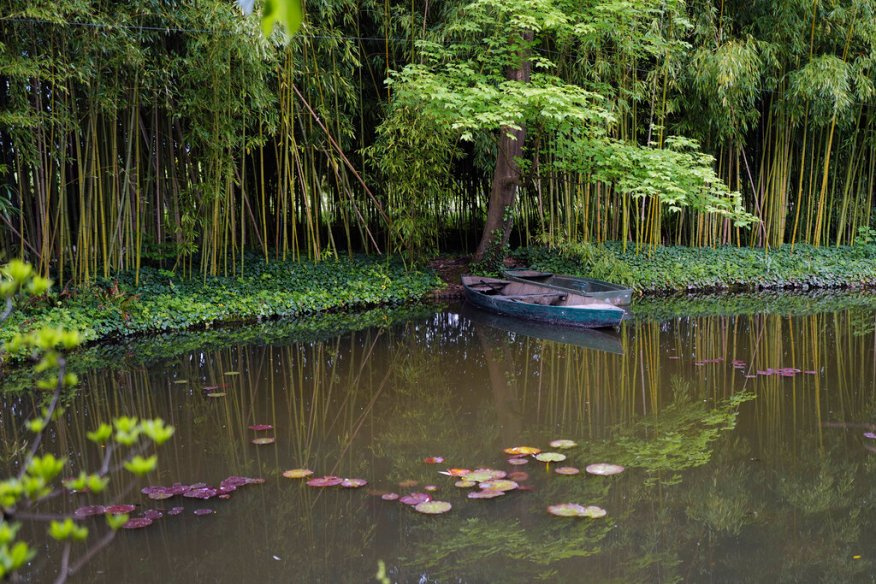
(174, 133)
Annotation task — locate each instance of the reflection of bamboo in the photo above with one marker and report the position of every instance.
(502, 383)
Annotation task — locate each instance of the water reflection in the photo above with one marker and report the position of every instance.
(732, 476)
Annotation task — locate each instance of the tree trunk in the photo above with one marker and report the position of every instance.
(506, 177)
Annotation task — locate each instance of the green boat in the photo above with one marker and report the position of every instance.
(605, 291)
(540, 303)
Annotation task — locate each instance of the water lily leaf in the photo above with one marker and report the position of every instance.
(567, 470)
(297, 473)
(522, 450)
(604, 469)
(229, 373)
(430, 488)
(201, 493)
(433, 507)
(216, 394)
(152, 514)
(455, 472)
(550, 457)
(203, 512)
(870, 435)
(408, 484)
(261, 427)
(262, 441)
(175, 510)
(160, 495)
(478, 476)
(464, 484)
(518, 461)
(415, 498)
(567, 510)
(353, 483)
(518, 476)
(485, 494)
(137, 523)
(594, 512)
(389, 496)
(89, 511)
(326, 481)
(433, 459)
(119, 509)
(563, 444)
(499, 485)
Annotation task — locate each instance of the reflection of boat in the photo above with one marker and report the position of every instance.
(540, 303)
(605, 291)
(607, 341)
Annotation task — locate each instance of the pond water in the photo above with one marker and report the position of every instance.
(731, 475)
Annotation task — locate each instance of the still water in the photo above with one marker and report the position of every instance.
(731, 475)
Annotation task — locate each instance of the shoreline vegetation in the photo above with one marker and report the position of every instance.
(340, 293)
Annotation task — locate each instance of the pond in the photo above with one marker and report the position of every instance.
(746, 441)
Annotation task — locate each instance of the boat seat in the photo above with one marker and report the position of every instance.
(546, 298)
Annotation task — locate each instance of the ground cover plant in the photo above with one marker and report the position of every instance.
(162, 302)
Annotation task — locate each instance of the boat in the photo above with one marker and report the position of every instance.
(606, 341)
(531, 301)
(605, 291)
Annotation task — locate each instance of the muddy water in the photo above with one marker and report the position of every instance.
(743, 439)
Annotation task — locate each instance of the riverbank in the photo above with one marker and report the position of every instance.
(162, 302)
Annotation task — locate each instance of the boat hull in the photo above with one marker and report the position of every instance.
(605, 291)
(596, 315)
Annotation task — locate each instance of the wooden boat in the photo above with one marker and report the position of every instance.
(605, 291)
(606, 341)
(540, 303)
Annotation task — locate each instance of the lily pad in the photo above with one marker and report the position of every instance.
(137, 523)
(389, 496)
(464, 484)
(415, 498)
(870, 435)
(233, 482)
(550, 457)
(229, 373)
(152, 514)
(430, 488)
(119, 509)
(518, 461)
(297, 473)
(455, 472)
(433, 459)
(203, 512)
(594, 512)
(433, 507)
(408, 484)
(522, 450)
(563, 444)
(89, 511)
(567, 510)
(216, 394)
(485, 494)
(604, 469)
(518, 476)
(160, 495)
(353, 483)
(262, 441)
(175, 510)
(201, 493)
(499, 485)
(567, 470)
(261, 427)
(326, 481)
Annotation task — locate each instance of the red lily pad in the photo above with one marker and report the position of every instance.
(297, 473)
(455, 472)
(119, 509)
(485, 494)
(89, 511)
(202, 512)
(389, 496)
(433, 507)
(326, 481)
(415, 498)
(261, 427)
(263, 440)
(433, 459)
(518, 461)
(152, 514)
(567, 470)
(160, 495)
(202, 493)
(137, 523)
(604, 469)
(233, 482)
(353, 483)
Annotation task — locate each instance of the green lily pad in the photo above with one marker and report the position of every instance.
(262, 441)
(478, 476)
(464, 484)
(563, 444)
(433, 507)
(485, 494)
(297, 473)
(594, 512)
(604, 469)
(499, 485)
(567, 510)
(550, 457)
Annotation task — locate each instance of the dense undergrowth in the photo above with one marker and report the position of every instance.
(163, 302)
(677, 269)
